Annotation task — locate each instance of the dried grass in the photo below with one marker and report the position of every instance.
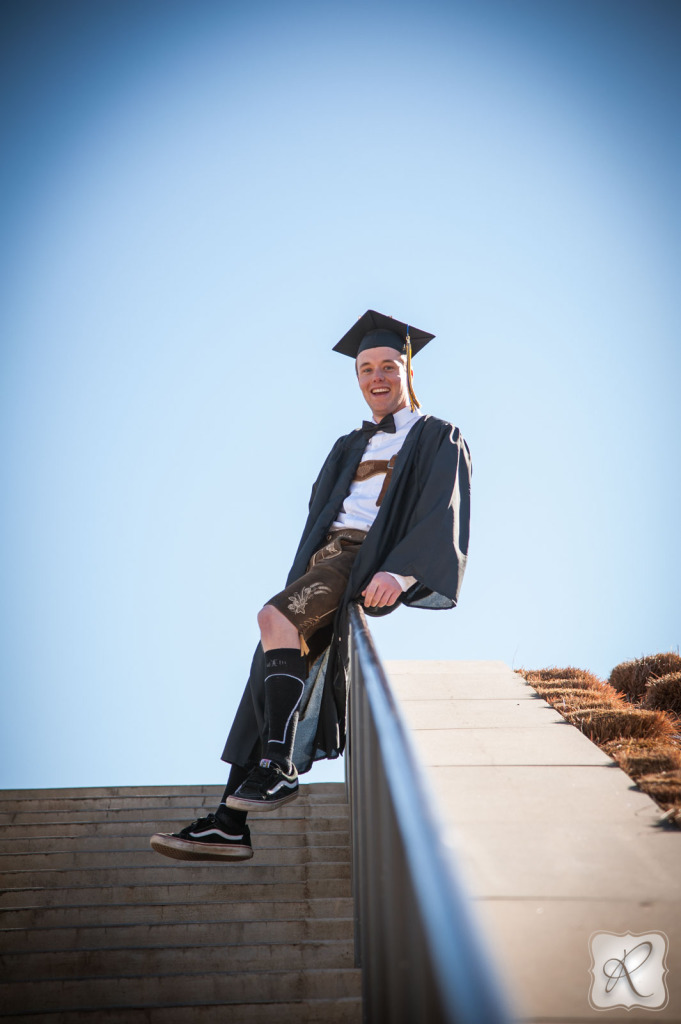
(606, 724)
(641, 757)
(663, 694)
(576, 686)
(579, 676)
(569, 698)
(631, 676)
(665, 787)
(642, 740)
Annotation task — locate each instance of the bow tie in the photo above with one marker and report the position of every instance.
(369, 428)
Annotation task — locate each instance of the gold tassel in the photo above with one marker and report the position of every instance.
(304, 649)
(413, 400)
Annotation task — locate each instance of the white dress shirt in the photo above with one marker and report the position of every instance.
(359, 508)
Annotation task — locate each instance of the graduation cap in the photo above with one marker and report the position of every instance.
(376, 330)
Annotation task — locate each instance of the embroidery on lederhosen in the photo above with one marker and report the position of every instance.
(299, 601)
(329, 550)
(371, 467)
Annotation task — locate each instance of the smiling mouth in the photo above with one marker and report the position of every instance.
(380, 391)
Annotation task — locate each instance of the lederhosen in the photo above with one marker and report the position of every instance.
(310, 602)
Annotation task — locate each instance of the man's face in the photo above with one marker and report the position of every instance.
(382, 375)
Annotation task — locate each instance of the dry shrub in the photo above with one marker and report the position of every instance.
(559, 692)
(631, 676)
(663, 694)
(577, 676)
(641, 757)
(579, 699)
(556, 684)
(603, 725)
(665, 787)
(576, 686)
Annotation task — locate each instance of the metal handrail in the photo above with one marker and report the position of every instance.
(422, 959)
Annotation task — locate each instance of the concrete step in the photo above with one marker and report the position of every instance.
(176, 892)
(339, 838)
(300, 809)
(166, 990)
(194, 933)
(224, 908)
(163, 871)
(138, 962)
(97, 927)
(258, 823)
(308, 1011)
(145, 857)
(213, 791)
(112, 803)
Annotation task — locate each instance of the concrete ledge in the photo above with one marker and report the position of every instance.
(553, 839)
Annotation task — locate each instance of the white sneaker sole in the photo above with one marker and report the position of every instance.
(185, 849)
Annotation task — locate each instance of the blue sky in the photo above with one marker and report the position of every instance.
(198, 200)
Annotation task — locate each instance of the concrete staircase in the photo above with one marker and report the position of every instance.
(97, 927)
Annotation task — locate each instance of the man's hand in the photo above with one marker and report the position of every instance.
(382, 591)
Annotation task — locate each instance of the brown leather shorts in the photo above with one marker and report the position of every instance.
(311, 601)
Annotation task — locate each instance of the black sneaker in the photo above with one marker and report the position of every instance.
(204, 839)
(268, 786)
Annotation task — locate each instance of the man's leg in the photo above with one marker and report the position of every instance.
(286, 623)
(275, 780)
(311, 603)
(285, 673)
(225, 835)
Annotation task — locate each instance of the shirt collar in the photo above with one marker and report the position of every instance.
(404, 416)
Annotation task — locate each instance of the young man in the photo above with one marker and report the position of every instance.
(388, 523)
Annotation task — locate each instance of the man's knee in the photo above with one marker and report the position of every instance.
(268, 616)
(271, 620)
(275, 629)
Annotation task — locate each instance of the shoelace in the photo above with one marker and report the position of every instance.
(201, 823)
(262, 774)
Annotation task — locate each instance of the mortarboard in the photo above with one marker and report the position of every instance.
(376, 330)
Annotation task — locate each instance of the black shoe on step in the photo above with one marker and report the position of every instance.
(204, 839)
(267, 787)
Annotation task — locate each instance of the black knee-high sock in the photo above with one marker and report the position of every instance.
(232, 819)
(284, 675)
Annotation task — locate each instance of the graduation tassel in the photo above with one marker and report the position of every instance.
(413, 400)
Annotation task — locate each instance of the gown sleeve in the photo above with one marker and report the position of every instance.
(434, 547)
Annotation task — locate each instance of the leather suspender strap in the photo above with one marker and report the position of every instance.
(389, 473)
(371, 467)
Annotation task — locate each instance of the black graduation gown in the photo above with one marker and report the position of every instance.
(421, 530)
